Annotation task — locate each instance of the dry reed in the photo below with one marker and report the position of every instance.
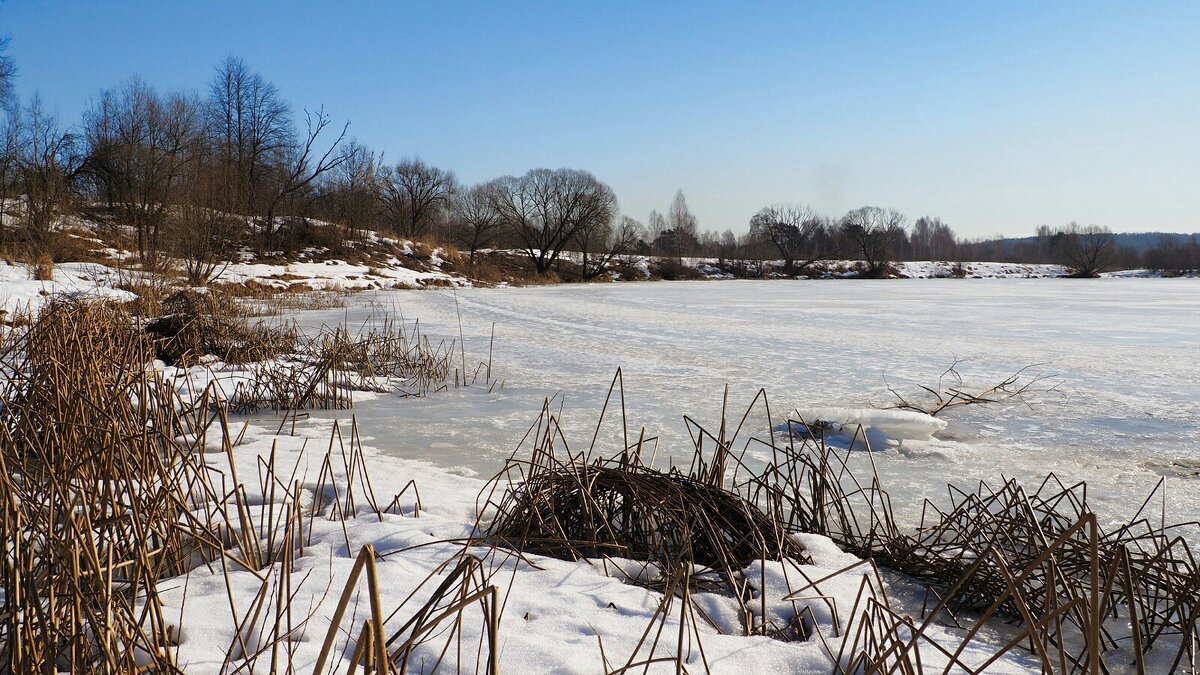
(105, 492)
(1034, 568)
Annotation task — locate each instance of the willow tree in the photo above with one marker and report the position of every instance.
(545, 208)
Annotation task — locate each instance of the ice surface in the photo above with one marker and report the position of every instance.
(1127, 352)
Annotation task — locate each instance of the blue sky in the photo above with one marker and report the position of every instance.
(997, 117)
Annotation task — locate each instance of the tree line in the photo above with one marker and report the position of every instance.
(193, 176)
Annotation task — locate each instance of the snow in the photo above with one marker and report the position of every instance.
(978, 270)
(1127, 350)
(20, 292)
(556, 613)
(335, 275)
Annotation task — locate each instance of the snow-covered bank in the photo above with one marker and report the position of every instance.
(21, 291)
(978, 270)
(558, 616)
(336, 275)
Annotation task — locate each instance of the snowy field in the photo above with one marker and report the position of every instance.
(1125, 354)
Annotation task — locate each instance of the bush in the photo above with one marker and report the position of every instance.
(297, 234)
(195, 324)
(671, 269)
(43, 269)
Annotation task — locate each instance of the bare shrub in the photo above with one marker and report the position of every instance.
(92, 480)
(671, 269)
(195, 324)
(950, 391)
(43, 269)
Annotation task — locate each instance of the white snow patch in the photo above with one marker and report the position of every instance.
(336, 275)
(19, 291)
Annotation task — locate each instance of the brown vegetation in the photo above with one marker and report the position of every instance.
(1035, 568)
(950, 392)
(102, 472)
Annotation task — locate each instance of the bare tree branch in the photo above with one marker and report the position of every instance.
(950, 392)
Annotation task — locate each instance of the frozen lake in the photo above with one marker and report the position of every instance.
(1126, 352)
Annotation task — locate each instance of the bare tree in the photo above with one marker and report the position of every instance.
(9, 115)
(655, 226)
(932, 239)
(138, 144)
(792, 229)
(412, 192)
(201, 233)
(353, 189)
(727, 247)
(682, 224)
(251, 124)
(1174, 255)
(48, 163)
(1088, 250)
(9, 160)
(753, 252)
(1043, 243)
(302, 165)
(544, 208)
(477, 222)
(602, 245)
(874, 234)
(8, 73)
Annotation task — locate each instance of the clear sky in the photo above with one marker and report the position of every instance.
(997, 117)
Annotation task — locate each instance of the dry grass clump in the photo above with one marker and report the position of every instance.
(589, 510)
(324, 370)
(264, 300)
(506, 267)
(577, 507)
(279, 303)
(285, 369)
(690, 531)
(1004, 569)
(672, 269)
(104, 492)
(91, 480)
(39, 250)
(1081, 597)
(103, 477)
(105, 355)
(195, 324)
(43, 269)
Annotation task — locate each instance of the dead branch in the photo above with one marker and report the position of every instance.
(950, 391)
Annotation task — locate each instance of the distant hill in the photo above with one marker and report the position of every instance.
(1138, 241)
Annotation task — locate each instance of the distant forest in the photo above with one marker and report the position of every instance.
(197, 176)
